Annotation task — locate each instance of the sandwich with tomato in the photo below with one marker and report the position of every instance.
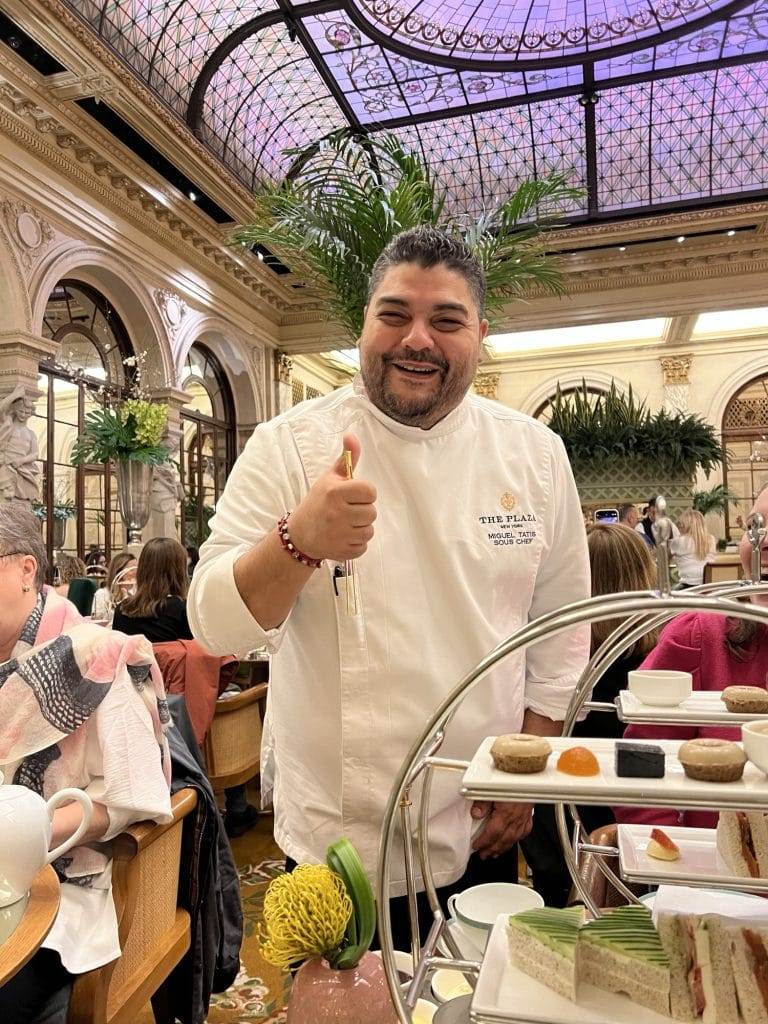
(742, 842)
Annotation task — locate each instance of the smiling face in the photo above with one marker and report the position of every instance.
(421, 343)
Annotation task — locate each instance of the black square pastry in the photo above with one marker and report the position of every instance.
(639, 760)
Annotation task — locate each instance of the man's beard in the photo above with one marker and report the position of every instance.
(417, 410)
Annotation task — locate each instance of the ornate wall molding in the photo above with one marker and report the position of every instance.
(68, 85)
(677, 385)
(676, 369)
(663, 268)
(14, 291)
(31, 234)
(77, 154)
(487, 384)
(652, 225)
(173, 308)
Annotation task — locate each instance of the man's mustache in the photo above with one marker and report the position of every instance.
(417, 356)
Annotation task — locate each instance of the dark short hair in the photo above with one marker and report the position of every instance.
(429, 247)
(651, 503)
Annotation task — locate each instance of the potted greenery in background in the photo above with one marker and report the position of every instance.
(620, 451)
(63, 510)
(350, 195)
(714, 500)
(128, 434)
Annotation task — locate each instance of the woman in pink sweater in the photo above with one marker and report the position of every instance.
(718, 652)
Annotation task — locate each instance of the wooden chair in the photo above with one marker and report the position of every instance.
(154, 931)
(233, 745)
(725, 567)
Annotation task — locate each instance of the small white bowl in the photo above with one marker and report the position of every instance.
(447, 985)
(423, 1012)
(659, 687)
(476, 909)
(403, 961)
(754, 737)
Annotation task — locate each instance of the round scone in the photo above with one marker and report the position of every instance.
(520, 752)
(712, 760)
(746, 700)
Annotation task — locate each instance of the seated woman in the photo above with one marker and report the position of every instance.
(158, 608)
(619, 560)
(693, 548)
(79, 706)
(104, 598)
(718, 652)
(69, 568)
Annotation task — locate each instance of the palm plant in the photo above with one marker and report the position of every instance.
(612, 425)
(714, 500)
(350, 195)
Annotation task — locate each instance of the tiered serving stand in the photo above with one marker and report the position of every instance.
(500, 993)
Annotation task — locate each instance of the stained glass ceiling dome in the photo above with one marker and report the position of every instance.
(559, 31)
(646, 104)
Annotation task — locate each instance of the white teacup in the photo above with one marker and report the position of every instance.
(25, 835)
(754, 737)
(662, 688)
(476, 909)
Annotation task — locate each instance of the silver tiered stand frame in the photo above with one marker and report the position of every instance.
(642, 611)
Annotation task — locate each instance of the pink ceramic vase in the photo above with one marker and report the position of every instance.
(359, 995)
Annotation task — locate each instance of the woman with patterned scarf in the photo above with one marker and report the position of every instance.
(80, 706)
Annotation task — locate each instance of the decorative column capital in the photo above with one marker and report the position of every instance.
(676, 368)
(284, 368)
(487, 385)
(175, 398)
(21, 354)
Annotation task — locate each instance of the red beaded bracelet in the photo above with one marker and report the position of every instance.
(290, 547)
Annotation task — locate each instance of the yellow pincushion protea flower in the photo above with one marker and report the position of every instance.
(305, 914)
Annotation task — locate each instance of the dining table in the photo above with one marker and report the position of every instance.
(25, 923)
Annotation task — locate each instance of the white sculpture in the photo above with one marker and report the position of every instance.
(19, 469)
(167, 488)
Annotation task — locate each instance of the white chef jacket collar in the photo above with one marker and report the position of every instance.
(447, 425)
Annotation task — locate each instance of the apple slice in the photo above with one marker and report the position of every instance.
(662, 847)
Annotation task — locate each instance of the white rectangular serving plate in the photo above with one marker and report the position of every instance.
(703, 707)
(483, 781)
(699, 861)
(504, 993)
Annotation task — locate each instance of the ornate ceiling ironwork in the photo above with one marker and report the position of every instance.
(645, 103)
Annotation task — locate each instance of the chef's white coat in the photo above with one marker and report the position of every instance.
(479, 529)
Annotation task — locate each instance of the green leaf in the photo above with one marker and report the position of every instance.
(597, 428)
(349, 195)
(130, 431)
(344, 860)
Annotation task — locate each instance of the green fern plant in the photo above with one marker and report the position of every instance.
(612, 425)
(350, 195)
(714, 500)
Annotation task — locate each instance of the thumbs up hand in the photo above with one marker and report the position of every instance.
(335, 519)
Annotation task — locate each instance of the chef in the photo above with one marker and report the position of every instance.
(462, 523)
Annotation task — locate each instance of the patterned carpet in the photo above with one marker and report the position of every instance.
(259, 992)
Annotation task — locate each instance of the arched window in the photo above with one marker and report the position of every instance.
(208, 441)
(79, 505)
(745, 435)
(544, 411)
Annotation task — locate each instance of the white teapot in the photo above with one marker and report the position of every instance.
(25, 835)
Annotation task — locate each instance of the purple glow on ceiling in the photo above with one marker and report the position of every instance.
(698, 134)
